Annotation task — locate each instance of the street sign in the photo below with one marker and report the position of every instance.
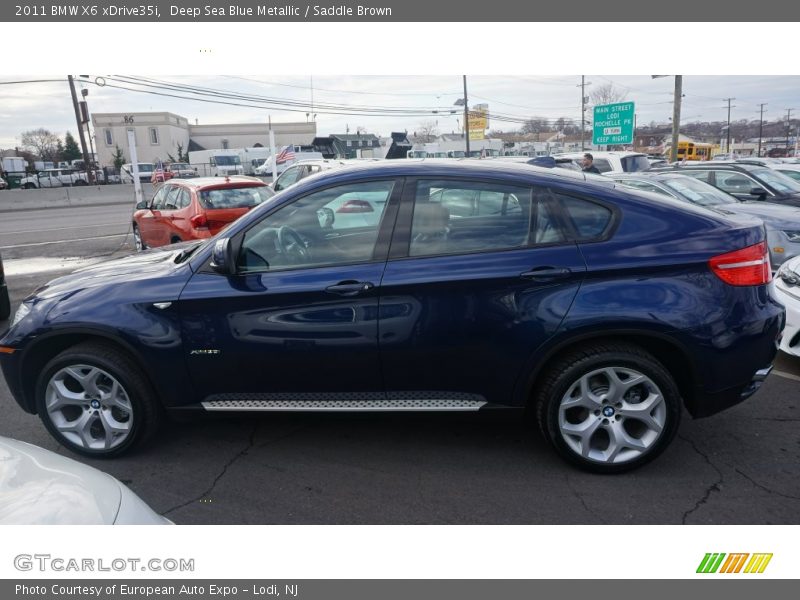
(613, 124)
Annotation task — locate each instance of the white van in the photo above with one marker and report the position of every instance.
(215, 163)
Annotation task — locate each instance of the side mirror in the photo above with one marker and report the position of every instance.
(757, 191)
(142, 205)
(222, 259)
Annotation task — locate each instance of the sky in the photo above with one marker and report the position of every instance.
(25, 106)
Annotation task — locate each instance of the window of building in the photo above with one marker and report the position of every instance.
(109, 135)
(224, 144)
(154, 136)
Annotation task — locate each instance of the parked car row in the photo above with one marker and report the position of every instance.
(50, 178)
(452, 285)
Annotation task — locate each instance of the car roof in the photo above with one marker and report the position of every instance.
(468, 167)
(601, 153)
(216, 182)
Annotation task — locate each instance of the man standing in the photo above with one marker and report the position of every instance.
(588, 164)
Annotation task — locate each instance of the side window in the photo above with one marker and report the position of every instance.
(158, 199)
(335, 226)
(313, 169)
(701, 175)
(171, 200)
(184, 199)
(287, 178)
(735, 183)
(588, 220)
(602, 165)
(456, 217)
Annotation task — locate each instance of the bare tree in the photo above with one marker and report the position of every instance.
(426, 131)
(41, 142)
(535, 125)
(607, 94)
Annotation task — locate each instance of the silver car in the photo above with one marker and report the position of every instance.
(39, 487)
(781, 222)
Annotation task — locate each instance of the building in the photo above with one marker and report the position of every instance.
(158, 135)
(347, 145)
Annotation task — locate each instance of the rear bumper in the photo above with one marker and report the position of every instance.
(710, 404)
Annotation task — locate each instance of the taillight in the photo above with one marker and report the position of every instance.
(199, 221)
(748, 266)
(355, 206)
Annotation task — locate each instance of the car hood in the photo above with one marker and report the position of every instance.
(158, 262)
(774, 214)
(40, 487)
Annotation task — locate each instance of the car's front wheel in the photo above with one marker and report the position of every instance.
(96, 401)
(608, 408)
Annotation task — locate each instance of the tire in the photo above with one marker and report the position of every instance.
(175, 240)
(79, 405)
(137, 239)
(30, 186)
(80, 182)
(598, 418)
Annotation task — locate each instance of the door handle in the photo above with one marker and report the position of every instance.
(350, 288)
(546, 273)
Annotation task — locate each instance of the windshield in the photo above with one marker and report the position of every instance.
(241, 197)
(779, 181)
(631, 164)
(179, 167)
(698, 192)
(228, 161)
(144, 168)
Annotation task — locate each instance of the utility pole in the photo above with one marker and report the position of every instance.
(583, 85)
(466, 116)
(728, 144)
(788, 127)
(761, 127)
(676, 117)
(79, 121)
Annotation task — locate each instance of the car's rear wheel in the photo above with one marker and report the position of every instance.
(80, 182)
(608, 408)
(137, 239)
(96, 401)
(5, 304)
(29, 186)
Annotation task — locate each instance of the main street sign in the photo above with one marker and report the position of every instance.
(613, 124)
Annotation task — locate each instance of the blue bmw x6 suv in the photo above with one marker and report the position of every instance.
(416, 286)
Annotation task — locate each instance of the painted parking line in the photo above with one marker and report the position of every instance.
(88, 239)
(31, 266)
(786, 375)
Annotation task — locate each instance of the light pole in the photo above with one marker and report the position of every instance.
(676, 115)
(761, 126)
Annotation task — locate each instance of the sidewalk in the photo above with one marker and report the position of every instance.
(16, 200)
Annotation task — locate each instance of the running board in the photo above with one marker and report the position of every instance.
(383, 405)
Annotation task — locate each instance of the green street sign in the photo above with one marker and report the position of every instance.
(613, 124)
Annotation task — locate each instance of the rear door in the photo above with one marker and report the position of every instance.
(480, 274)
(147, 221)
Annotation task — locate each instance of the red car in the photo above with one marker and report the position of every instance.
(193, 209)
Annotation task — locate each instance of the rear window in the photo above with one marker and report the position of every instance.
(631, 164)
(242, 197)
(589, 220)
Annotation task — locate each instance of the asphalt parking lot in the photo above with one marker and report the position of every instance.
(739, 467)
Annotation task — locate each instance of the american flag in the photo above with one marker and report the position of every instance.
(285, 155)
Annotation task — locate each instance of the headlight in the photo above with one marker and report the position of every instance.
(22, 312)
(794, 236)
(788, 276)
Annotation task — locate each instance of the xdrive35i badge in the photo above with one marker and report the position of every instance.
(206, 352)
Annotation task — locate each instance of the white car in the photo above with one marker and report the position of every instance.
(611, 162)
(302, 169)
(786, 289)
(39, 487)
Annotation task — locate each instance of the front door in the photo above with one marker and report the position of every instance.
(299, 319)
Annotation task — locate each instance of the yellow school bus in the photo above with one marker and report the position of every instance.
(694, 151)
